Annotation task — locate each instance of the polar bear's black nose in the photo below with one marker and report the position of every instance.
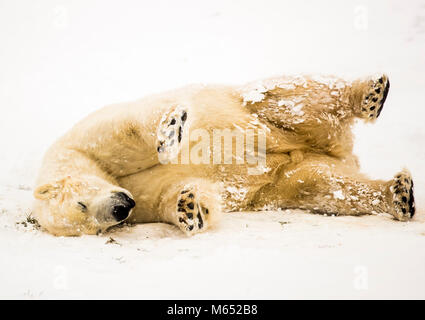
(122, 209)
(120, 212)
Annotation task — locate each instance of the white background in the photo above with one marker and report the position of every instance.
(60, 60)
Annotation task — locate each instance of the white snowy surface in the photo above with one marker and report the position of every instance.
(61, 60)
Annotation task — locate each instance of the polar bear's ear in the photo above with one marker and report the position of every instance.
(46, 191)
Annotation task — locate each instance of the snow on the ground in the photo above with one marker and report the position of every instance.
(251, 255)
(59, 62)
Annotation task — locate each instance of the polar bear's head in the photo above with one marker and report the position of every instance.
(86, 205)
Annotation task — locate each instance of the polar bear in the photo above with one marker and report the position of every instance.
(130, 161)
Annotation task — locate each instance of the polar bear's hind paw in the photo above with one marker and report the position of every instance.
(192, 215)
(403, 199)
(375, 97)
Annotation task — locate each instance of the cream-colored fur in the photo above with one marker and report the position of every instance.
(309, 161)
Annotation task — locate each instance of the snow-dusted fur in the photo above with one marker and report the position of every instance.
(123, 149)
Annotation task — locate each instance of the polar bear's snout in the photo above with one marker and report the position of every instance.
(121, 210)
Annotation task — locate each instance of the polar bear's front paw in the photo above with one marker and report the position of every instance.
(374, 97)
(170, 134)
(192, 215)
(402, 196)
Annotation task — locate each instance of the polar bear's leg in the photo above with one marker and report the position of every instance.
(301, 102)
(318, 110)
(368, 96)
(170, 134)
(192, 205)
(323, 101)
(322, 185)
